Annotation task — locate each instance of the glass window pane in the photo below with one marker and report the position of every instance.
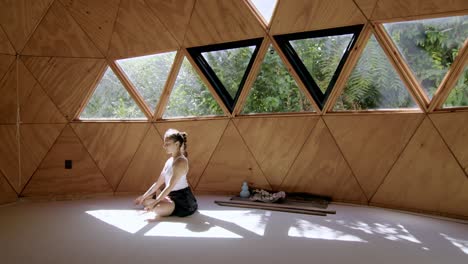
(374, 84)
(111, 101)
(458, 97)
(429, 46)
(274, 89)
(265, 7)
(148, 74)
(321, 56)
(230, 65)
(190, 96)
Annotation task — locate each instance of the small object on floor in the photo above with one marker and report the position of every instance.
(261, 206)
(267, 197)
(269, 206)
(245, 190)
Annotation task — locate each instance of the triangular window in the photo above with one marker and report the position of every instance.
(265, 8)
(458, 97)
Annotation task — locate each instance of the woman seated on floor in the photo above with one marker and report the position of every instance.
(177, 197)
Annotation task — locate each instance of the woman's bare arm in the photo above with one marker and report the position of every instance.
(153, 189)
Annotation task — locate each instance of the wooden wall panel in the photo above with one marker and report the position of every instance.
(426, 177)
(35, 105)
(372, 143)
(216, 21)
(19, 19)
(139, 32)
(66, 80)
(174, 14)
(5, 45)
(366, 6)
(51, 178)
(275, 142)
(35, 142)
(5, 63)
(96, 18)
(8, 98)
(454, 129)
(111, 145)
(321, 169)
(231, 164)
(146, 165)
(202, 139)
(7, 194)
(306, 15)
(387, 9)
(58, 34)
(9, 164)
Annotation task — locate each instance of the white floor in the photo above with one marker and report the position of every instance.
(111, 230)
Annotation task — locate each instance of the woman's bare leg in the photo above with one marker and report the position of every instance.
(163, 209)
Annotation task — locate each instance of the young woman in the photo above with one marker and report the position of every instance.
(176, 198)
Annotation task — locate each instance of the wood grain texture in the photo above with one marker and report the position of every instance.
(35, 142)
(139, 32)
(426, 177)
(454, 129)
(96, 18)
(174, 14)
(19, 19)
(9, 163)
(58, 34)
(8, 98)
(372, 143)
(230, 165)
(35, 105)
(67, 81)
(5, 45)
(275, 142)
(51, 178)
(202, 139)
(366, 6)
(386, 9)
(307, 15)
(146, 165)
(111, 145)
(5, 63)
(7, 194)
(216, 21)
(321, 169)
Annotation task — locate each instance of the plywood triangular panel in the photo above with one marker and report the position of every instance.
(386, 9)
(9, 164)
(174, 14)
(51, 178)
(35, 142)
(146, 165)
(96, 18)
(275, 142)
(66, 80)
(35, 105)
(5, 45)
(19, 19)
(321, 169)
(139, 32)
(453, 128)
(307, 15)
(425, 177)
(367, 6)
(59, 35)
(202, 139)
(5, 63)
(216, 21)
(371, 143)
(7, 194)
(231, 164)
(112, 145)
(8, 98)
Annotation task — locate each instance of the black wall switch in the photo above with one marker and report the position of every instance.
(68, 164)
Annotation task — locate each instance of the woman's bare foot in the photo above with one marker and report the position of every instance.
(156, 218)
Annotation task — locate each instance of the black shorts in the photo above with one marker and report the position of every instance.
(184, 201)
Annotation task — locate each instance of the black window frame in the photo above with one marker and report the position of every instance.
(284, 44)
(196, 54)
